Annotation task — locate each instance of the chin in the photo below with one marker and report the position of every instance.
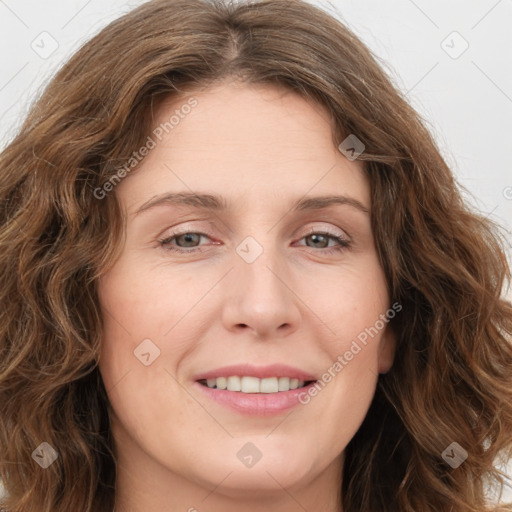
(283, 463)
(267, 479)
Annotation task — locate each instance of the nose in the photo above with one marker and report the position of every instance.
(260, 297)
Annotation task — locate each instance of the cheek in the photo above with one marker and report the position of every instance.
(350, 303)
(150, 300)
(129, 315)
(353, 395)
(136, 365)
(353, 308)
(146, 328)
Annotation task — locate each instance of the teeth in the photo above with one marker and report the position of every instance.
(221, 383)
(269, 385)
(234, 384)
(283, 384)
(248, 384)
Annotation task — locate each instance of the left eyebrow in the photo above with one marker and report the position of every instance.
(220, 203)
(319, 202)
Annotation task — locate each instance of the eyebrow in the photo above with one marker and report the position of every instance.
(219, 203)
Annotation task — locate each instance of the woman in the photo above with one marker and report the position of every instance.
(172, 336)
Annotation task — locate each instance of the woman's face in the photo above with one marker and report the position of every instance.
(272, 284)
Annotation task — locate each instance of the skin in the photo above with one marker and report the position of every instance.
(261, 148)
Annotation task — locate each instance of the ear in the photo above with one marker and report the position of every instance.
(387, 348)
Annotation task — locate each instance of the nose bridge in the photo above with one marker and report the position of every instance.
(259, 296)
(258, 267)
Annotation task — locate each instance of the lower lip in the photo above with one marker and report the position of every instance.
(256, 404)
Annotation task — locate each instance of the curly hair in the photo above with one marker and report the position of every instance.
(444, 263)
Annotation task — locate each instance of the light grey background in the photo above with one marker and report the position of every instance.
(453, 60)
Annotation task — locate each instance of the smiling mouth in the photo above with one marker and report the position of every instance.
(247, 384)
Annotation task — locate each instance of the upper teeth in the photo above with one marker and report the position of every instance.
(255, 385)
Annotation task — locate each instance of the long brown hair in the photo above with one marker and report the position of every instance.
(445, 264)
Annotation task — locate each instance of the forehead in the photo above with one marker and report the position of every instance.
(245, 141)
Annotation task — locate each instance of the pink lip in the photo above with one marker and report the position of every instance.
(255, 404)
(242, 370)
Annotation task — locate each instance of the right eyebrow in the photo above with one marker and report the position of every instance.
(205, 201)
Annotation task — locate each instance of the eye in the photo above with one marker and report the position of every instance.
(188, 242)
(323, 238)
(187, 239)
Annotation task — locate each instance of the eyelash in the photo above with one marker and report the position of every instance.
(165, 243)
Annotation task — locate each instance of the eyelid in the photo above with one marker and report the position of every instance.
(341, 234)
(343, 241)
(186, 229)
(314, 229)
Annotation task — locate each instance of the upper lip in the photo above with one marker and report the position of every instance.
(261, 372)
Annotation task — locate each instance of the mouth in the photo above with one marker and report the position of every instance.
(255, 385)
(255, 390)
